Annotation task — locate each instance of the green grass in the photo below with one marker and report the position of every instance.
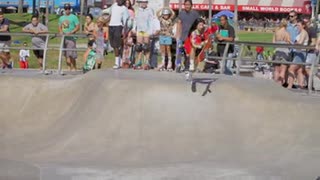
(255, 36)
(18, 21)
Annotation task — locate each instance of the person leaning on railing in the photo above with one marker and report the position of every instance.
(5, 42)
(89, 25)
(299, 57)
(311, 54)
(35, 28)
(281, 36)
(226, 34)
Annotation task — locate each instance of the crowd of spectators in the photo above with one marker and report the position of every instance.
(133, 32)
(299, 31)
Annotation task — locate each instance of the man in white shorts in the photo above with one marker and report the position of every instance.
(119, 16)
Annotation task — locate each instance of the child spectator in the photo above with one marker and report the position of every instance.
(211, 30)
(259, 51)
(24, 54)
(99, 36)
(90, 57)
(127, 51)
(166, 16)
(127, 38)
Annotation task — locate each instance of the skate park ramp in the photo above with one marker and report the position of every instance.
(149, 125)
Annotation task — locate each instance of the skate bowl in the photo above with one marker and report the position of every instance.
(150, 125)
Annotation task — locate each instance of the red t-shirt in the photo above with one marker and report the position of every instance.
(210, 30)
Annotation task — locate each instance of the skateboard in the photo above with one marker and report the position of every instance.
(205, 48)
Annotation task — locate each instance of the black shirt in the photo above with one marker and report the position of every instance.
(187, 19)
(4, 22)
(225, 32)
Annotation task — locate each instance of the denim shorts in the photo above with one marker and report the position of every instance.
(299, 57)
(165, 40)
(310, 58)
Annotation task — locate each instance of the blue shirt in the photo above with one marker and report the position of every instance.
(293, 31)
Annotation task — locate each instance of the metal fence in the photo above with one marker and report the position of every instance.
(46, 46)
(239, 59)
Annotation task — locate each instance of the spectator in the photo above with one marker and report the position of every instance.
(153, 49)
(98, 33)
(211, 30)
(90, 57)
(211, 64)
(127, 51)
(186, 19)
(106, 12)
(89, 25)
(5, 42)
(299, 57)
(166, 17)
(226, 34)
(197, 41)
(131, 12)
(35, 29)
(318, 45)
(24, 54)
(119, 16)
(68, 25)
(259, 51)
(312, 33)
(292, 27)
(281, 36)
(43, 18)
(130, 21)
(143, 28)
(128, 39)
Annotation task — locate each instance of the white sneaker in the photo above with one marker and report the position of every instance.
(116, 67)
(191, 68)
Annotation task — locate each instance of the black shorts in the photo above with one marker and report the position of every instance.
(38, 53)
(115, 33)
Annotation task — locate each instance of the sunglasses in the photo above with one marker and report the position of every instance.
(67, 8)
(292, 16)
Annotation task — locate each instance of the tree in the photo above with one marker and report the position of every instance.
(20, 6)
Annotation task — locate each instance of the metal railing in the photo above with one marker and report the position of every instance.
(238, 59)
(48, 36)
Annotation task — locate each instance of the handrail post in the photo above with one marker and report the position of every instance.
(224, 58)
(45, 54)
(60, 54)
(312, 73)
(238, 60)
